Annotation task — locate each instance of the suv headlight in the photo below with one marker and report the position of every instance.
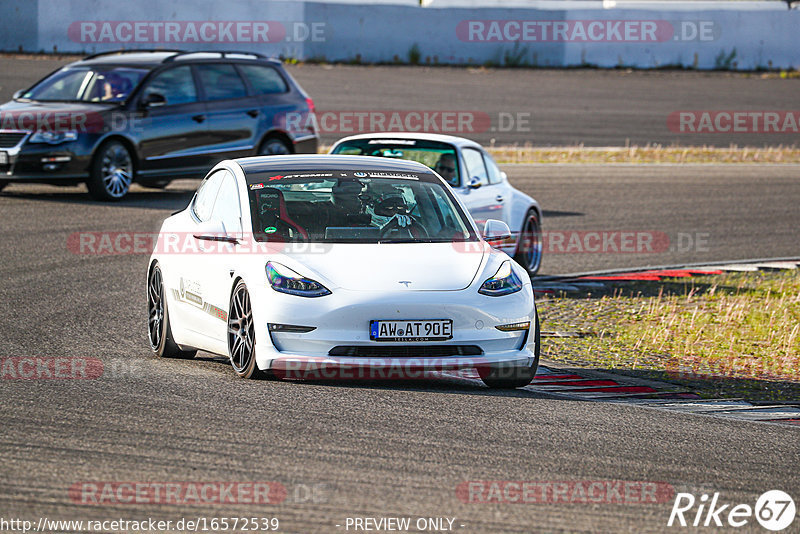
(53, 137)
(285, 280)
(504, 282)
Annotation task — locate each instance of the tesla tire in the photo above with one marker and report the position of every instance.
(242, 335)
(158, 325)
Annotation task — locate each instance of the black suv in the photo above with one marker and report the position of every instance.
(150, 117)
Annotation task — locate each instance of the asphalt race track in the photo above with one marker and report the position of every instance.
(556, 107)
(361, 449)
(366, 449)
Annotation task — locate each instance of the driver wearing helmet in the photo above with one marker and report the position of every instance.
(346, 209)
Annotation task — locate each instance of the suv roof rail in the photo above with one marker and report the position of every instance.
(222, 54)
(132, 51)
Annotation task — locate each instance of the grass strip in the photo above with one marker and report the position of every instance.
(732, 335)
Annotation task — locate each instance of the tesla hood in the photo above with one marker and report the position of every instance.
(395, 266)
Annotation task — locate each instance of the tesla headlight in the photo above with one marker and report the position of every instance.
(504, 282)
(285, 280)
(53, 137)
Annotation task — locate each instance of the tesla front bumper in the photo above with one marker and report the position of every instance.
(297, 333)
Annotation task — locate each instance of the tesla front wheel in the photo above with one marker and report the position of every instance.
(242, 334)
(529, 250)
(158, 327)
(111, 173)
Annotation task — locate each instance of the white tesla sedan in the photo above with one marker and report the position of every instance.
(475, 177)
(299, 263)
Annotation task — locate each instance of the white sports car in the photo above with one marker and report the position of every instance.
(474, 176)
(299, 263)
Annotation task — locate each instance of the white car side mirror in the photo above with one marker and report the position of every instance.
(495, 230)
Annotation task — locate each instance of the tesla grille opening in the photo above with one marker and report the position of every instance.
(406, 351)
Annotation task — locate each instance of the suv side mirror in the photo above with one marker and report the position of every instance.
(17, 94)
(474, 183)
(153, 100)
(495, 230)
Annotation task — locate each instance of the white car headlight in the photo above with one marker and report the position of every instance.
(285, 280)
(504, 282)
(53, 137)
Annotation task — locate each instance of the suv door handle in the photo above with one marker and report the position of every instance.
(199, 118)
(253, 113)
(499, 198)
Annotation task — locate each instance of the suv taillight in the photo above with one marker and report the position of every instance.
(310, 103)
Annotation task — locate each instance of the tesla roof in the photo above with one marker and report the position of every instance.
(305, 163)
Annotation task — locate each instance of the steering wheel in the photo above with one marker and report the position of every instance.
(412, 228)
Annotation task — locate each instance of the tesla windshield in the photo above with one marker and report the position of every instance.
(356, 207)
(98, 84)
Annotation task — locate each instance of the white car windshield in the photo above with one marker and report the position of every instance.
(356, 207)
(439, 156)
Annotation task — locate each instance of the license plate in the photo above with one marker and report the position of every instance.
(411, 330)
(3, 158)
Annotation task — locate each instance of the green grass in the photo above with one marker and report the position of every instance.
(735, 335)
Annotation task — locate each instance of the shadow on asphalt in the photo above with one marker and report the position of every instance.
(646, 288)
(719, 386)
(450, 385)
(159, 199)
(546, 214)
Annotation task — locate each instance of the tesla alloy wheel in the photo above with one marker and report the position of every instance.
(158, 327)
(242, 334)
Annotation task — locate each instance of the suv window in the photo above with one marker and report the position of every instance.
(264, 80)
(475, 167)
(221, 82)
(176, 85)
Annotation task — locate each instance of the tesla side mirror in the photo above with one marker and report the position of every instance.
(495, 230)
(474, 183)
(153, 100)
(213, 230)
